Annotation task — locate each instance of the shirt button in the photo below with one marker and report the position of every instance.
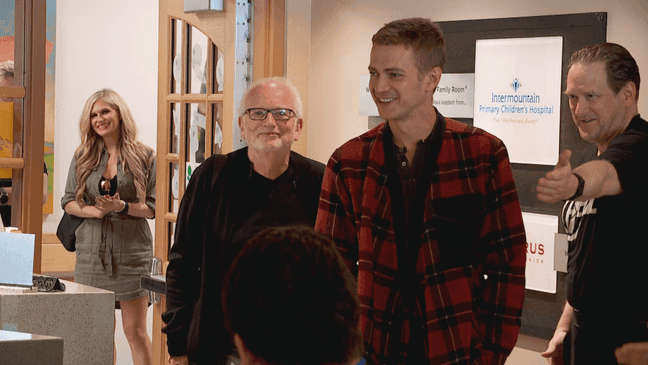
(404, 163)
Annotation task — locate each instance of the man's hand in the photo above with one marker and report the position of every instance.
(554, 351)
(633, 353)
(560, 183)
(178, 360)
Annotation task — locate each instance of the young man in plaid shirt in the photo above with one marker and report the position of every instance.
(425, 212)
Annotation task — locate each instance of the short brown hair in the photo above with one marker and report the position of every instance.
(621, 67)
(424, 36)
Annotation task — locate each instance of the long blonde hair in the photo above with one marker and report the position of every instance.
(135, 156)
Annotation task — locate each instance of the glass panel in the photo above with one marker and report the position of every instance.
(174, 196)
(196, 133)
(198, 61)
(11, 109)
(171, 234)
(6, 111)
(175, 128)
(218, 131)
(176, 53)
(219, 71)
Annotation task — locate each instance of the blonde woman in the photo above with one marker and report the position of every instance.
(111, 183)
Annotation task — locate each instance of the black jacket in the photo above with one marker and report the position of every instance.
(212, 210)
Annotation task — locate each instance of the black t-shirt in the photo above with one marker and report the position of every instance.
(608, 246)
(266, 203)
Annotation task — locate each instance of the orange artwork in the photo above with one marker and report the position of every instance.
(7, 48)
(7, 54)
(6, 135)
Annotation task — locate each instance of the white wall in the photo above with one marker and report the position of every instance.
(341, 41)
(103, 44)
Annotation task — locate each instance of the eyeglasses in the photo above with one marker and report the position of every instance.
(281, 115)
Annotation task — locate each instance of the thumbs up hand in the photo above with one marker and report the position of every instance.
(560, 183)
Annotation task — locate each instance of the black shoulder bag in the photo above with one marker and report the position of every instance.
(66, 231)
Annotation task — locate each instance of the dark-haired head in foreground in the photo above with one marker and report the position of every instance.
(289, 299)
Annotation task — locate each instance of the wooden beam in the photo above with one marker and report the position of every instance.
(269, 37)
(12, 91)
(163, 138)
(34, 124)
(12, 163)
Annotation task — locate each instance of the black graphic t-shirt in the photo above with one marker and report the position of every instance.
(608, 245)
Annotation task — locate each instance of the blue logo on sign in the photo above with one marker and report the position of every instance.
(516, 84)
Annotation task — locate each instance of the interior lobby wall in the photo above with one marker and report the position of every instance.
(341, 34)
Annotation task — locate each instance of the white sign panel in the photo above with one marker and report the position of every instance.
(561, 255)
(367, 104)
(454, 95)
(517, 95)
(540, 230)
(16, 258)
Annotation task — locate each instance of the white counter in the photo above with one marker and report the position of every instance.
(18, 348)
(82, 316)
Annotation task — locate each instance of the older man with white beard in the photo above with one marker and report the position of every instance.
(229, 199)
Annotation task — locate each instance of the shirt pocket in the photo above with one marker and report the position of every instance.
(457, 222)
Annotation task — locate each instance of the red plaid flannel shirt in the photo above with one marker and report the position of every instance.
(470, 288)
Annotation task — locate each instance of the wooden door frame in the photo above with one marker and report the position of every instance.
(268, 60)
(29, 39)
(268, 55)
(173, 9)
(34, 124)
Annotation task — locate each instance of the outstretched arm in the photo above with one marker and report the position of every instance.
(601, 179)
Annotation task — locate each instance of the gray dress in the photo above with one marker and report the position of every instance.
(112, 253)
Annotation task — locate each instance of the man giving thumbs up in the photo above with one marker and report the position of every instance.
(605, 211)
